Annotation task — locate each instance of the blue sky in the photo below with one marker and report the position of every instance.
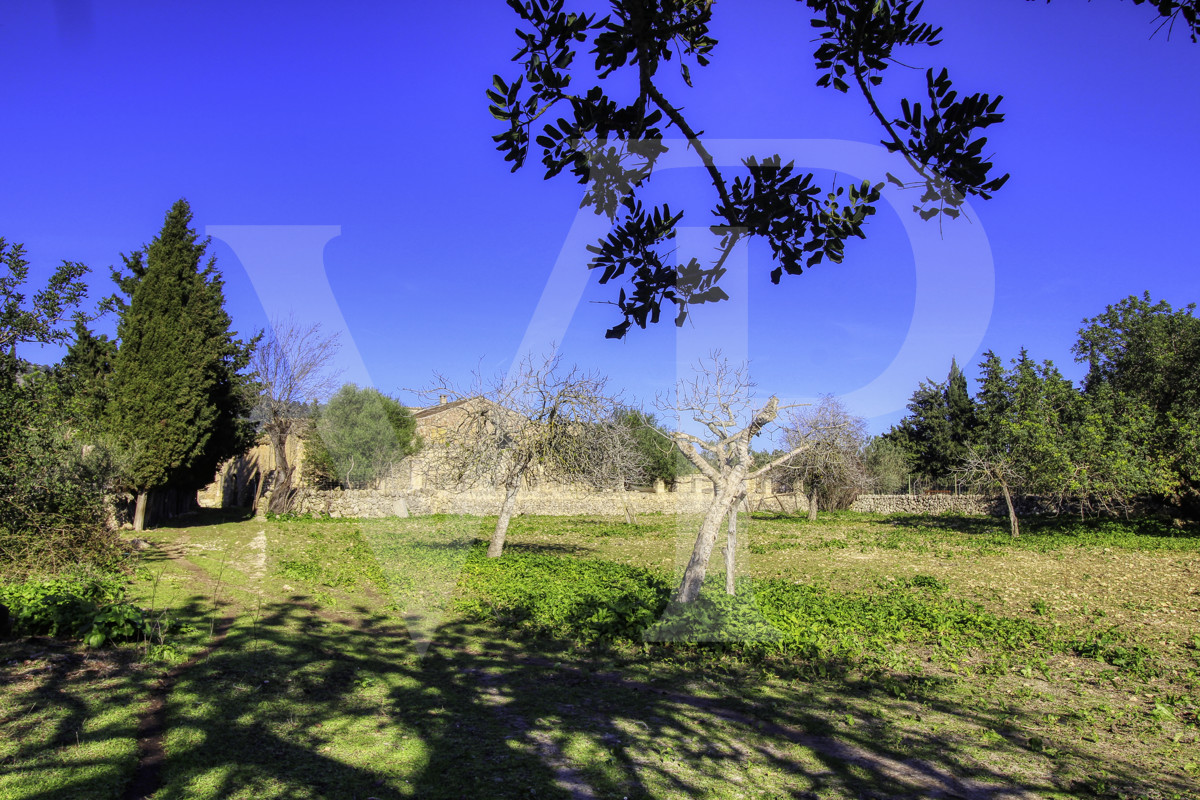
(371, 117)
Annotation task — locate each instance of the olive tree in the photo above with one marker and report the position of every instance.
(358, 437)
(831, 461)
(606, 123)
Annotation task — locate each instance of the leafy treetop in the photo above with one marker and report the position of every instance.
(37, 319)
(611, 147)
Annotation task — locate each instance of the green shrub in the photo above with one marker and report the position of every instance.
(93, 609)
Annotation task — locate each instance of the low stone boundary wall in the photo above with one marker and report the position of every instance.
(924, 504)
(885, 504)
(374, 503)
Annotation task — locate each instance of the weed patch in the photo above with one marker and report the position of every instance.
(332, 556)
(597, 601)
(90, 608)
(564, 597)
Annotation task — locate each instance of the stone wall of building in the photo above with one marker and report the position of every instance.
(239, 481)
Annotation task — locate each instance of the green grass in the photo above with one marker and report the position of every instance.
(68, 720)
(857, 644)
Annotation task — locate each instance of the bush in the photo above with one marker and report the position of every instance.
(93, 609)
(357, 438)
(52, 514)
(51, 504)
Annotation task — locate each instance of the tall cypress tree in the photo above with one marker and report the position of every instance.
(179, 400)
(960, 411)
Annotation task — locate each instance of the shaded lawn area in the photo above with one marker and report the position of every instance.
(316, 689)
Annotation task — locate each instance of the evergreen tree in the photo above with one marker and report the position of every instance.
(659, 457)
(1086, 452)
(357, 438)
(1043, 420)
(179, 400)
(1144, 354)
(83, 376)
(887, 465)
(991, 401)
(1116, 446)
(960, 414)
(937, 432)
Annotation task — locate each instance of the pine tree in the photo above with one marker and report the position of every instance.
(179, 403)
(939, 427)
(992, 402)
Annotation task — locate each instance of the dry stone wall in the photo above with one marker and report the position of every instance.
(924, 504)
(406, 492)
(374, 504)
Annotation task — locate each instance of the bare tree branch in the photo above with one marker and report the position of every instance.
(828, 442)
(720, 398)
(546, 423)
(291, 366)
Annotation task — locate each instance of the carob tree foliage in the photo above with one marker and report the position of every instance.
(611, 147)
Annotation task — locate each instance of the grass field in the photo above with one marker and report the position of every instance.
(865, 656)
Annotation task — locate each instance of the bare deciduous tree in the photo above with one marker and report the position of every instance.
(291, 367)
(544, 422)
(990, 469)
(832, 440)
(720, 398)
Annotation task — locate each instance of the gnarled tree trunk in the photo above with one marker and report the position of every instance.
(812, 501)
(1012, 512)
(282, 493)
(693, 575)
(139, 510)
(731, 548)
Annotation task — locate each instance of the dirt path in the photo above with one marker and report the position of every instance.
(152, 727)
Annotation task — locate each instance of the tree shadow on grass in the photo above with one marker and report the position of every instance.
(965, 524)
(547, 549)
(204, 517)
(1043, 525)
(295, 703)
